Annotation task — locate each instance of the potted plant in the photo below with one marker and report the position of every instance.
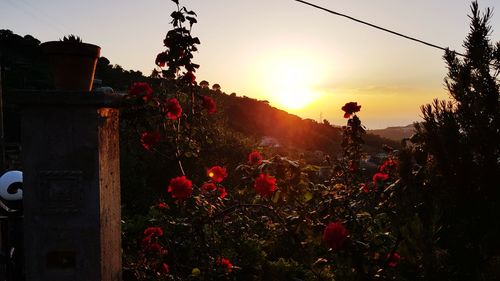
(72, 62)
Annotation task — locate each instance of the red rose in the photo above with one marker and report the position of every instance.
(364, 187)
(209, 104)
(141, 89)
(189, 77)
(335, 235)
(164, 268)
(146, 240)
(148, 139)
(350, 108)
(223, 192)
(393, 260)
(265, 184)
(389, 166)
(379, 178)
(225, 263)
(155, 248)
(217, 173)
(161, 59)
(208, 187)
(254, 158)
(173, 108)
(153, 231)
(162, 205)
(181, 188)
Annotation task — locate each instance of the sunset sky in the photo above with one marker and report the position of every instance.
(303, 60)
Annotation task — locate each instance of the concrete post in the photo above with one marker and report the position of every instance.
(70, 154)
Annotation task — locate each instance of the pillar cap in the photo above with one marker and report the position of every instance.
(67, 98)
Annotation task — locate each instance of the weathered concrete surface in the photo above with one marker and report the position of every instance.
(70, 154)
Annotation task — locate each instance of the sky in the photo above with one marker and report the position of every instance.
(303, 60)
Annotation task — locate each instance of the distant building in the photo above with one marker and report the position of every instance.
(269, 142)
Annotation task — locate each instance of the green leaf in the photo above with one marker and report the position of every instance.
(196, 272)
(320, 261)
(307, 197)
(276, 196)
(363, 215)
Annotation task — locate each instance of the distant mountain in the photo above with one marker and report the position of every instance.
(395, 133)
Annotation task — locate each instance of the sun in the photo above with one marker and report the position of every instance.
(289, 82)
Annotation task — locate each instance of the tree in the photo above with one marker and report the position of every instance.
(457, 163)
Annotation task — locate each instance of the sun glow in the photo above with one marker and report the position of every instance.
(289, 82)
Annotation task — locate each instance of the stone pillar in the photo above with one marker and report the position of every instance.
(70, 154)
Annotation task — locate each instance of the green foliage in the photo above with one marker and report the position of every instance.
(282, 270)
(431, 214)
(22, 63)
(270, 224)
(72, 39)
(116, 77)
(453, 164)
(427, 214)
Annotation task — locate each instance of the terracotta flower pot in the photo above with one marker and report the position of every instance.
(73, 64)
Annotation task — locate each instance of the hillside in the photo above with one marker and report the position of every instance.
(395, 133)
(248, 116)
(258, 118)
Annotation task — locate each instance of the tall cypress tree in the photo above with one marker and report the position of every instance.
(460, 139)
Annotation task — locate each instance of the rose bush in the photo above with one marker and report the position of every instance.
(282, 230)
(274, 223)
(262, 216)
(265, 217)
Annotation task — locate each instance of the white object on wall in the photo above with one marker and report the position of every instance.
(6, 180)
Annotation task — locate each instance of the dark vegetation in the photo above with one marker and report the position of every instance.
(25, 69)
(457, 162)
(430, 211)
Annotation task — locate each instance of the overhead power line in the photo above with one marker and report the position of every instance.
(34, 13)
(378, 27)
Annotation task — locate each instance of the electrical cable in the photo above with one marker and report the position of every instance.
(63, 27)
(379, 27)
(26, 10)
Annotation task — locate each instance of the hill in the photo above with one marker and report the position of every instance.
(395, 133)
(258, 118)
(245, 115)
